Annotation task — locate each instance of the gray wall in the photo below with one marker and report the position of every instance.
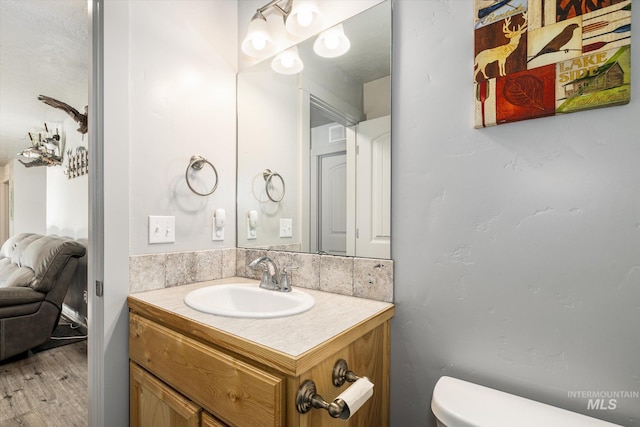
(517, 247)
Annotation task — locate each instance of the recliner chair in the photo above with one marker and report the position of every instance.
(35, 273)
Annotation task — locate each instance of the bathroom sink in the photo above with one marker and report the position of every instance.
(248, 300)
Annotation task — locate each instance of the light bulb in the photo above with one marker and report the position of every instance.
(304, 17)
(331, 41)
(287, 61)
(258, 43)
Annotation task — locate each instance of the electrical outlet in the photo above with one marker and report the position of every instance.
(162, 229)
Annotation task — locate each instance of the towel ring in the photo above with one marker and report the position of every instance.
(197, 163)
(268, 175)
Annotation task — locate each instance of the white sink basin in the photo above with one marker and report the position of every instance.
(248, 300)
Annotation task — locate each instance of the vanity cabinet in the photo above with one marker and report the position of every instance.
(187, 370)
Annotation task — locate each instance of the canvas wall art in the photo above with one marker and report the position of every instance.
(539, 58)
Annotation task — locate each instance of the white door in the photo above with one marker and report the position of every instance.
(332, 203)
(373, 194)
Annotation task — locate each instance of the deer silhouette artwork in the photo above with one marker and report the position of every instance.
(502, 52)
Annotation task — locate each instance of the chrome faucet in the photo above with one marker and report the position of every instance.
(273, 281)
(269, 281)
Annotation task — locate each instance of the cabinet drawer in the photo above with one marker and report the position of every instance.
(154, 404)
(232, 390)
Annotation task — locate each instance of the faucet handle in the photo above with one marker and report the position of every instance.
(285, 280)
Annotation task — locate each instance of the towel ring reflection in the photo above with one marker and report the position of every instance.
(268, 176)
(197, 163)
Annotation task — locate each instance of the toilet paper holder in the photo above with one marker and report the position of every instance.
(341, 373)
(307, 397)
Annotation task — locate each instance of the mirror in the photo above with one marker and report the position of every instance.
(314, 148)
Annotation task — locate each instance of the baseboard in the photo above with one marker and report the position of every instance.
(74, 317)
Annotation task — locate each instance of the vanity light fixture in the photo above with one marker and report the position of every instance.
(258, 42)
(301, 19)
(332, 43)
(287, 62)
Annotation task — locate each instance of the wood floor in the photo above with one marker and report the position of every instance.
(47, 389)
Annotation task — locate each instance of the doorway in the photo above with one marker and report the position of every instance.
(328, 175)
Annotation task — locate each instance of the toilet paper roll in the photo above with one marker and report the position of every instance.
(355, 396)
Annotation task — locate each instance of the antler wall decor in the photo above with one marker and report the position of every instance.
(81, 119)
(78, 163)
(46, 149)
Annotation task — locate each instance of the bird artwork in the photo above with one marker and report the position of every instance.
(542, 58)
(558, 42)
(79, 118)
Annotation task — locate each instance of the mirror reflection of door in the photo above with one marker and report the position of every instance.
(373, 196)
(328, 162)
(333, 198)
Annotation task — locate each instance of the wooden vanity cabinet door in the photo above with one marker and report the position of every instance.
(155, 404)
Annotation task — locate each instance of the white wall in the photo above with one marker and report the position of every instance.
(29, 199)
(68, 199)
(182, 93)
(516, 247)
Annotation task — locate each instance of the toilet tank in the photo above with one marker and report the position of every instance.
(458, 403)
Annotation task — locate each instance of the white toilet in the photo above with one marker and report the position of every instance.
(458, 403)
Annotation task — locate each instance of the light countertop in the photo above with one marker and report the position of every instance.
(331, 316)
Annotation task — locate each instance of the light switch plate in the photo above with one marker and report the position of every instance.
(286, 227)
(162, 229)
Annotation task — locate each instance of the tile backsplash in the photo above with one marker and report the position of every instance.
(360, 277)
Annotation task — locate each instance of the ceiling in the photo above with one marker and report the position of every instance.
(44, 50)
